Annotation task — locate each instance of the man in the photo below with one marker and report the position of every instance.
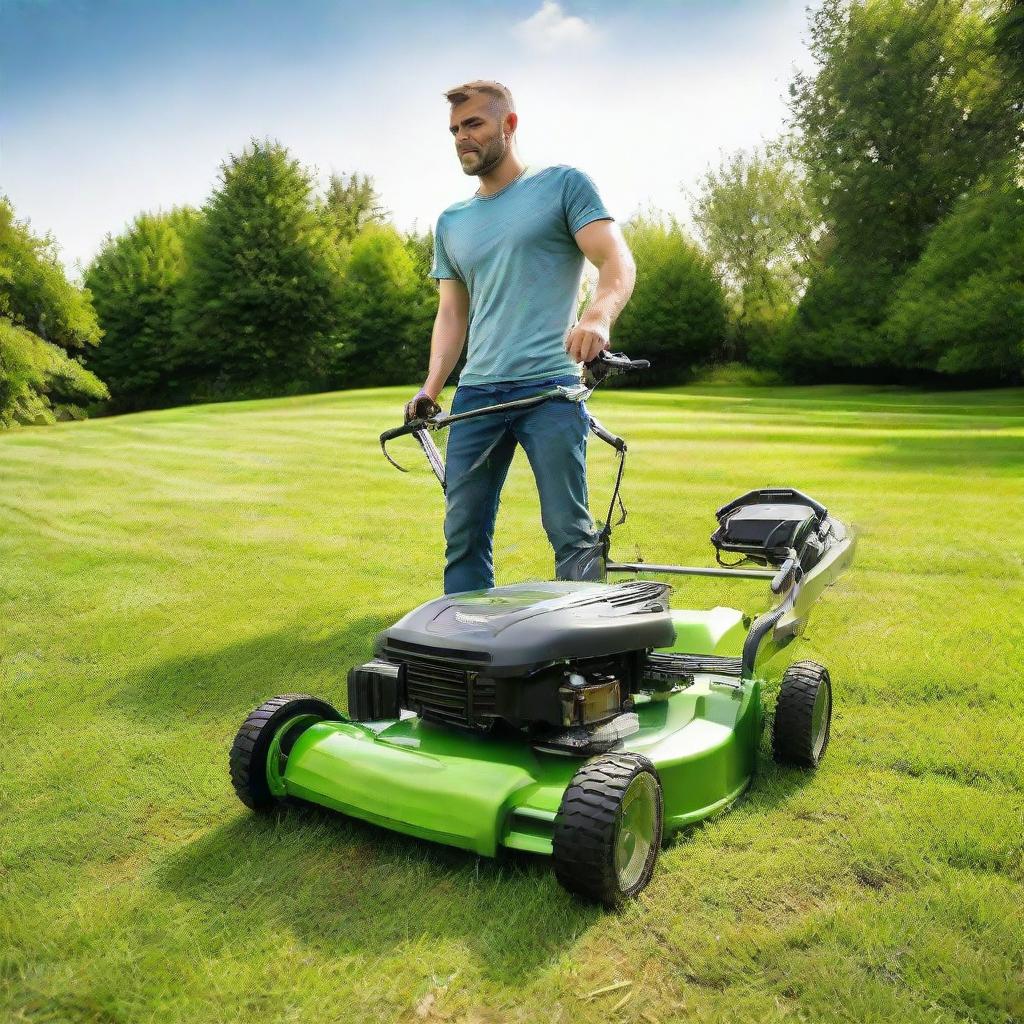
(509, 261)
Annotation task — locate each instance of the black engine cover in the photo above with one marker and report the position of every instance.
(517, 630)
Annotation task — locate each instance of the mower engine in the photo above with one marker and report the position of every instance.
(559, 661)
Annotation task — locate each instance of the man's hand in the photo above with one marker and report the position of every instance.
(421, 406)
(587, 338)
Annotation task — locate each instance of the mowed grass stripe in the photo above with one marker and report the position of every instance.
(165, 572)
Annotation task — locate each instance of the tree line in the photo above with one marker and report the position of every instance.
(883, 236)
(269, 289)
(880, 238)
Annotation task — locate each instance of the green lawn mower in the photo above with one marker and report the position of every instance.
(580, 720)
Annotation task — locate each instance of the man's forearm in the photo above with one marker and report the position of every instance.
(446, 344)
(615, 281)
(616, 277)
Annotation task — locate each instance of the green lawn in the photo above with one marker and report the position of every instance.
(163, 573)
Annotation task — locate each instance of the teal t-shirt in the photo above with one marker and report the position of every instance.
(517, 256)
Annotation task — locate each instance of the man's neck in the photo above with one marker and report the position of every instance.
(506, 172)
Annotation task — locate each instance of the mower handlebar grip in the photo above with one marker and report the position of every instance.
(616, 361)
(607, 436)
(405, 428)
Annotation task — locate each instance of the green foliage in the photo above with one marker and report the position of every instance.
(960, 310)
(1009, 30)
(349, 204)
(758, 226)
(388, 306)
(260, 293)
(39, 382)
(907, 108)
(43, 317)
(34, 291)
(20, 381)
(677, 314)
(421, 249)
(135, 281)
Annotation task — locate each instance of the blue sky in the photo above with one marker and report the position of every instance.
(110, 108)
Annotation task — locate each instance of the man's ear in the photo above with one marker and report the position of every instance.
(511, 120)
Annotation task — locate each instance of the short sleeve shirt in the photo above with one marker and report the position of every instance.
(516, 253)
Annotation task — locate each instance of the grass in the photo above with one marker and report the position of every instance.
(165, 572)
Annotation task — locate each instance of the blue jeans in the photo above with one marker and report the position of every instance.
(554, 437)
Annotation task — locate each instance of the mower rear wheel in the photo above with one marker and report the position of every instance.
(608, 828)
(803, 715)
(252, 749)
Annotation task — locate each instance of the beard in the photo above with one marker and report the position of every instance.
(487, 158)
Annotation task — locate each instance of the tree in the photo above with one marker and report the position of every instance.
(960, 310)
(135, 281)
(1008, 26)
(421, 249)
(907, 108)
(758, 226)
(260, 294)
(46, 324)
(349, 204)
(1009, 30)
(384, 337)
(677, 314)
(34, 291)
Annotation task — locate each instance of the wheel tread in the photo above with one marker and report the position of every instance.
(583, 842)
(792, 739)
(247, 757)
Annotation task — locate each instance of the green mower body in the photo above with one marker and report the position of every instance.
(578, 720)
(481, 792)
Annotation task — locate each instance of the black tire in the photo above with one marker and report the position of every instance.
(803, 715)
(588, 829)
(248, 758)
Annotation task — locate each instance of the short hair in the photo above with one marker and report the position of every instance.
(501, 98)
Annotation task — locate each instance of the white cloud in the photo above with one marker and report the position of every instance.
(551, 29)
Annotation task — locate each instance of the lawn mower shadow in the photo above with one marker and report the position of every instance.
(772, 787)
(230, 681)
(349, 888)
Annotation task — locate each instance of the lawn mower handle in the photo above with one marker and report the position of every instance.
(609, 364)
(419, 426)
(443, 420)
(599, 369)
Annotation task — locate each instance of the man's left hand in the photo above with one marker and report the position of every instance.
(586, 339)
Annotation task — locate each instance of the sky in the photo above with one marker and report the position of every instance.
(113, 107)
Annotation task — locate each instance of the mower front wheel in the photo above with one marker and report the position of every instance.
(264, 741)
(608, 829)
(803, 715)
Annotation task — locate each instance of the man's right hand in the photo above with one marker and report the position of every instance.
(420, 407)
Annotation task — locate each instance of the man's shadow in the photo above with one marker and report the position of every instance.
(226, 683)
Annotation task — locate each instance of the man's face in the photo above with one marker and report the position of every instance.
(478, 133)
